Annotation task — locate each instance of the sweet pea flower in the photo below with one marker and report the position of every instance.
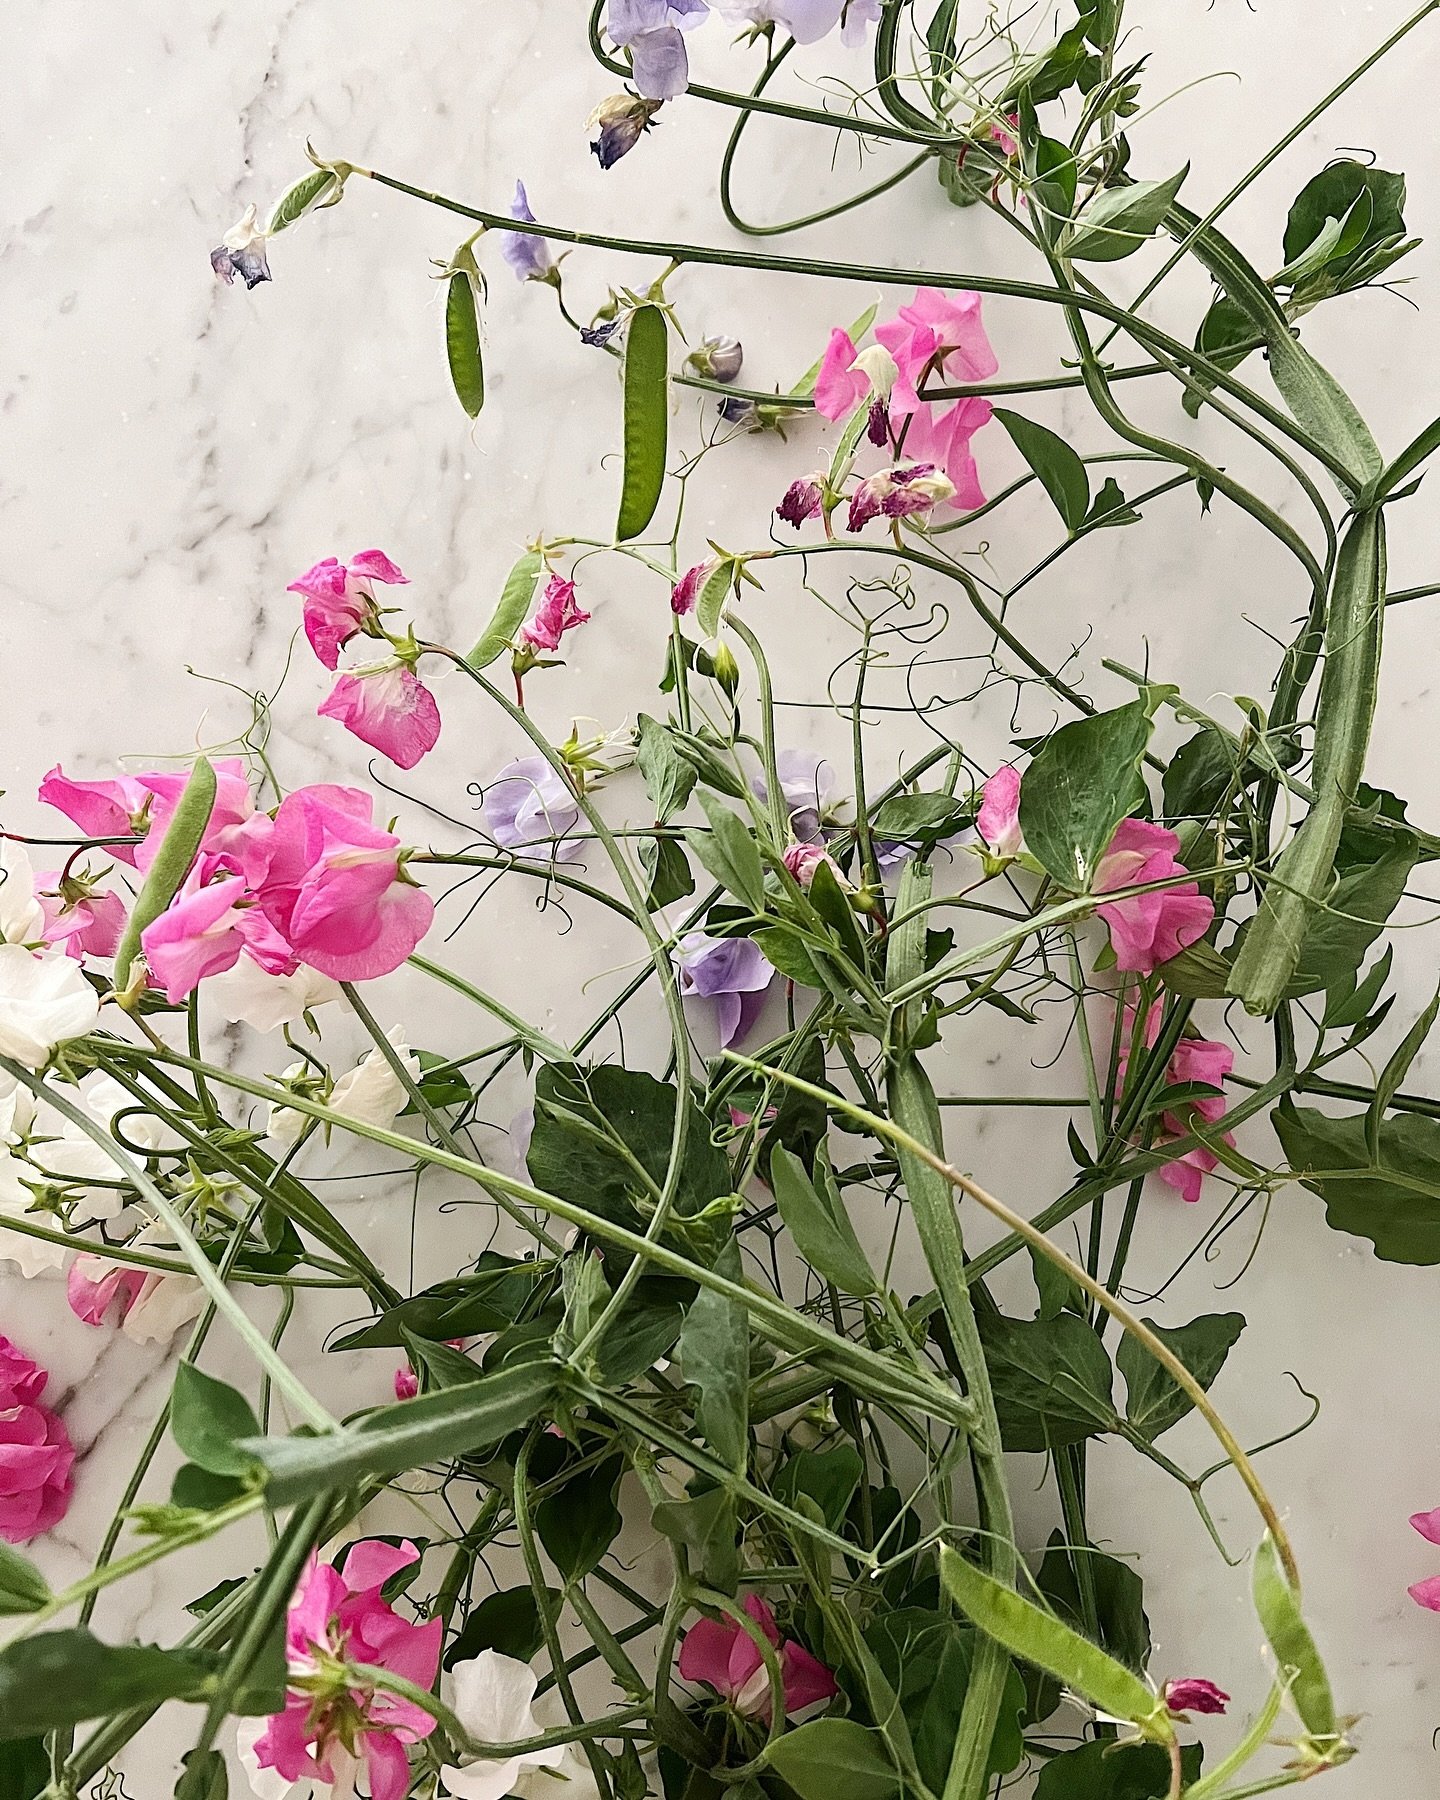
(106, 809)
(242, 252)
(717, 358)
(529, 803)
(557, 613)
(388, 707)
(330, 1728)
(1427, 1593)
(1194, 1695)
(44, 1001)
(1193, 1060)
(944, 439)
(807, 21)
(198, 934)
(938, 333)
(998, 820)
(493, 1697)
(340, 600)
(848, 375)
(802, 860)
(1148, 929)
(898, 493)
(78, 918)
(249, 994)
(96, 1287)
(619, 123)
(803, 499)
(332, 884)
(234, 805)
(36, 1455)
(807, 786)
(687, 589)
(652, 31)
(22, 917)
(529, 256)
(149, 1307)
(731, 972)
(372, 1093)
(722, 1654)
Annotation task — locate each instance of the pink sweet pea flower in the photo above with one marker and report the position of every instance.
(407, 1382)
(939, 333)
(802, 860)
(100, 808)
(331, 884)
(1193, 1059)
(848, 375)
(1148, 929)
(81, 921)
(96, 1286)
(802, 500)
(557, 613)
(944, 439)
(329, 1727)
(234, 804)
(998, 820)
(36, 1455)
(200, 933)
(687, 589)
(339, 601)
(1424, 1593)
(388, 707)
(725, 1657)
(1195, 1695)
(898, 493)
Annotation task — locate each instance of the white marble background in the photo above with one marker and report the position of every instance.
(174, 452)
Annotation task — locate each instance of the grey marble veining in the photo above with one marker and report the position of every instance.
(175, 451)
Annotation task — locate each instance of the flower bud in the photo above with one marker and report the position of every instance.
(618, 123)
(724, 667)
(717, 358)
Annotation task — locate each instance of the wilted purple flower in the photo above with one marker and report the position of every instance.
(528, 803)
(619, 122)
(801, 502)
(242, 252)
(597, 336)
(898, 493)
(730, 971)
(528, 256)
(651, 31)
(807, 784)
(558, 612)
(1195, 1694)
(738, 411)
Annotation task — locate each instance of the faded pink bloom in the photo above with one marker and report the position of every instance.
(329, 1727)
(557, 613)
(898, 493)
(407, 1382)
(36, 1455)
(937, 333)
(687, 589)
(1148, 929)
(725, 1657)
(802, 500)
(389, 708)
(82, 921)
(200, 933)
(802, 860)
(100, 808)
(332, 884)
(944, 439)
(95, 1287)
(998, 820)
(1195, 1695)
(339, 600)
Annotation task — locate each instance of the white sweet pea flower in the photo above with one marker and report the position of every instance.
(32, 1256)
(22, 920)
(493, 1698)
(372, 1093)
(44, 999)
(164, 1304)
(248, 995)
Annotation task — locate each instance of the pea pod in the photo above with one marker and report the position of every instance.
(1278, 1607)
(647, 406)
(510, 610)
(172, 862)
(462, 338)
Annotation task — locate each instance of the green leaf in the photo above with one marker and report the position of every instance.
(1116, 222)
(1358, 905)
(667, 872)
(1227, 335)
(489, 1299)
(830, 901)
(832, 1757)
(462, 342)
(1199, 775)
(1051, 1379)
(578, 1524)
(1154, 1401)
(1083, 781)
(728, 851)
(171, 865)
(1393, 1200)
(446, 1366)
(508, 1621)
(61, 1678)
(1199, 972)
(647, 1330)
(669, 777)
(1041, 1638)
(926, 1657)
(1395, 1071)
(455, 1422)
(815, 1216)
(1058, 468)
(24, 1768)
(23, 1589)
(510, 612)
(828, 1478)
(1110, 508)
(784, 948)
(1278, 1607)
(920, 818)
(1108, 1771)
(647, 406)
(205, 1777)
(705, 1523)
(715, 1357)
(715, 590)
(208, 1418)
(1119, 1598)
(299, 199)
(1368, 204)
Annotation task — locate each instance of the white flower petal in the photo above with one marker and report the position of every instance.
(44, 999)
(247, 995)
(22, 919)
(165, 1304)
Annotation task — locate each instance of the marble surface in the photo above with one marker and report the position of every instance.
(175, 451)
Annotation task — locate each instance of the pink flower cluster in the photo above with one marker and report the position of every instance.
(725, 1657)
(937, 335)
(1194, 1059)
(317, 882)
(329, 1726)
(36, 1455)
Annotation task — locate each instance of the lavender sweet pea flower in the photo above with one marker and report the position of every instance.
(807, 21)
(242, 252)
(731, 972)
(528, 256)
(528, 803)
(807, 783)
(619, 123)
(651, 31)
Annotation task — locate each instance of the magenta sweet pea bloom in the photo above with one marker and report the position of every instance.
(389, 708)
(840, 386)
(687, 589)
(328, 1727)
(725, 1657)
(802, 860)
(332, 885)
(732, 973)
(557, 613)
(1195, 1695)
(198, 934)
(100, 808)
(234, 804)
(937, 333)
(36, 1455)
(944, 439)
(339, 599)
(1194, 1059)
(802, 500)
(998, 820)
(82, 921)
(93, 1297)
(1148, 929)
(1424, 1593)
(898, 493)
